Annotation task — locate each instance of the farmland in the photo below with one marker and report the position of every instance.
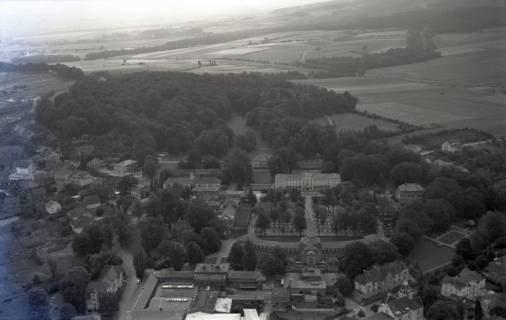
(465, 88)
(267, 53)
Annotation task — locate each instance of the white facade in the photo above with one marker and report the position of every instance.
(451, 147)
(409, 192)
(307, 181)
(468, 284)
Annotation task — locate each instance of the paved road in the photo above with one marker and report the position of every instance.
(312, 228)
(131, 287)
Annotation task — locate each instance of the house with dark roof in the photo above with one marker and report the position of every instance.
(404, 308)
(495, 272)
(379, 316)
(210, 274)
(245, 280)
(382, 278)
(110, 281)
(467, 284)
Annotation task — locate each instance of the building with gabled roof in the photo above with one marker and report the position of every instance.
(245, 280)
(404, 308)
(382, 278)
(109, 282)
(467, 284)
(214, 275)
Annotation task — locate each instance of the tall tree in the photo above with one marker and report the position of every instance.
(237, 168)
(250, 256)
(194, 253)
(299, 222)
(274, 263)
(263, 222)
(236, 256)
(140, 262)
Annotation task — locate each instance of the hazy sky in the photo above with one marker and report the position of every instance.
(18, 17)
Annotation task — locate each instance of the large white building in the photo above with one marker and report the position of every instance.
(468, 284)
(307, 181)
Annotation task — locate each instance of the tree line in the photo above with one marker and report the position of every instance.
(61, 70)
(419, 47)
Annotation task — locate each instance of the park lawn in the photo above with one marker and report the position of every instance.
(429, 256)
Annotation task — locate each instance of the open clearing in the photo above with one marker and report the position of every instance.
(28, 86)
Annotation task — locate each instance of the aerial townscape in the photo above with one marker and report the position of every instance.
(338, 160)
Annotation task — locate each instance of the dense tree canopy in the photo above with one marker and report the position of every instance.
(178, 112)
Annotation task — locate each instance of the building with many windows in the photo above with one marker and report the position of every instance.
(467, 284)
(409, 192)
(307, 181)
(382, 278)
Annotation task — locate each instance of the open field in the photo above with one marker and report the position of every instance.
(408, 113)
(428, 255)
(486, 68)
(459, 43)
(452, 237)
(355, 122)
(26, 86)
(455, 91)
(267, 53)
(369, 85)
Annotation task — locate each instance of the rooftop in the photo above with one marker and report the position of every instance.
(246, 275)
(379, 272)
(282, 177)
(465, 277)
(212, 268)
(404, 305)
(410, 187)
